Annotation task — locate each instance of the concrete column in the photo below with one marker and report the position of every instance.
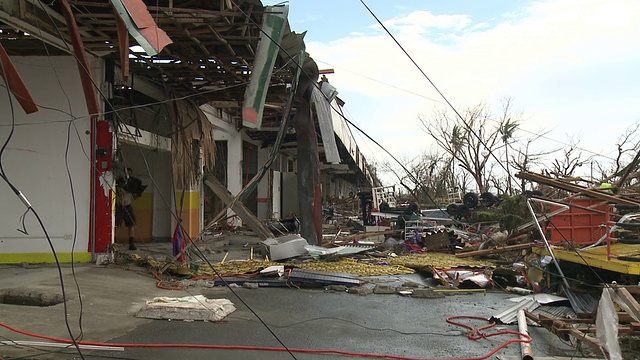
(309, 193)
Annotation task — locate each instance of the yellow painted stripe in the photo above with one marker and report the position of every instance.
(144, 202)
(191, 200)
(38, 258)
(597, 257)
(112, 195)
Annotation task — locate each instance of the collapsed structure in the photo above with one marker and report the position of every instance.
(184, 94)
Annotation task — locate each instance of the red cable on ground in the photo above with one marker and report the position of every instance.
(159, 284)
(309, 351)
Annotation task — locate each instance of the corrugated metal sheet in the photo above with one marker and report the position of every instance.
(558, 312)
(510, 315)
(354, 249)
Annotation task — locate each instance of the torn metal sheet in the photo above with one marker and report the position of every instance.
(323, 110)
(510, 315)
(321, 277)
(540, 298)
(345, 250)
(554, 311)
(582, 303)
(141, 26)
(273, 26)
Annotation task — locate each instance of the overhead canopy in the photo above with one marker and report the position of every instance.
(214, 44)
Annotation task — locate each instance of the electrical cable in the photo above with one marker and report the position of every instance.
(71, 185)
(196, 247)
(352, 323)
(25, 201)
(469, 128)
(474, 334)
(350, 122)
(147, 164)
(381, 82)
(455, 111)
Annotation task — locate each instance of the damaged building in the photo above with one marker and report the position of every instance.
(194, 98)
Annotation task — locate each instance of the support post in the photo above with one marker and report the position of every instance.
(309, 193)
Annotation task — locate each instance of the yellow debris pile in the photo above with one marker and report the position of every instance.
(439, 261)
(346, 266)
(351, 266)
(234, 267)
(397, 266)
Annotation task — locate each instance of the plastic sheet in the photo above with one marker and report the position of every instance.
(607, 325)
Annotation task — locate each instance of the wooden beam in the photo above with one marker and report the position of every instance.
(563, 330)
(364, 235)
(625, 296)
(495, 250)
(13, 80)
(86, 79)
(562, 184)
(238, 207)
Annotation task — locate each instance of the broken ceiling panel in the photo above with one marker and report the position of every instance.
(323, 110)
(10, 75)
(141, 26)
(210, 59)
(273, 25)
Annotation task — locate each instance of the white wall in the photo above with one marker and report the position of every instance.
(224, 130)
(34, 159)
(264, 212)
(277, 194)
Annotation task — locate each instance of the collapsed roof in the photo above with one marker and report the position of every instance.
(214, 44)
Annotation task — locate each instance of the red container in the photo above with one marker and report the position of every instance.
(578, 225)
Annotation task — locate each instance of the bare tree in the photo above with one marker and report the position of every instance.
(626, 166)
(472, 139)
(427, 178)
(525, 159)
(570, 161)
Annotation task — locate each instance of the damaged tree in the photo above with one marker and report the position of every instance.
(470, 139)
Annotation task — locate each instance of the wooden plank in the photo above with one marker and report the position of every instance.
(13, 80)
(238, 207)
(86, 79)
(563, 329)
(495, 250)
(628, 300)
(364, 235)
(560, 184)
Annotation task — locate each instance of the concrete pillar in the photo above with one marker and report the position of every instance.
(309, 193)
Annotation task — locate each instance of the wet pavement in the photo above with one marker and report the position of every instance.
(311, 319)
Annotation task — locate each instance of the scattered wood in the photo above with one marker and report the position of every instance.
(238, 207)
(564, 330)
(564, 184)
(365, 235)
(495, 250)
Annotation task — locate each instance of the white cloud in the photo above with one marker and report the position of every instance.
(570, 65)
(422, 21)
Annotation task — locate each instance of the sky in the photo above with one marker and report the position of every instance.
(570, 66)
